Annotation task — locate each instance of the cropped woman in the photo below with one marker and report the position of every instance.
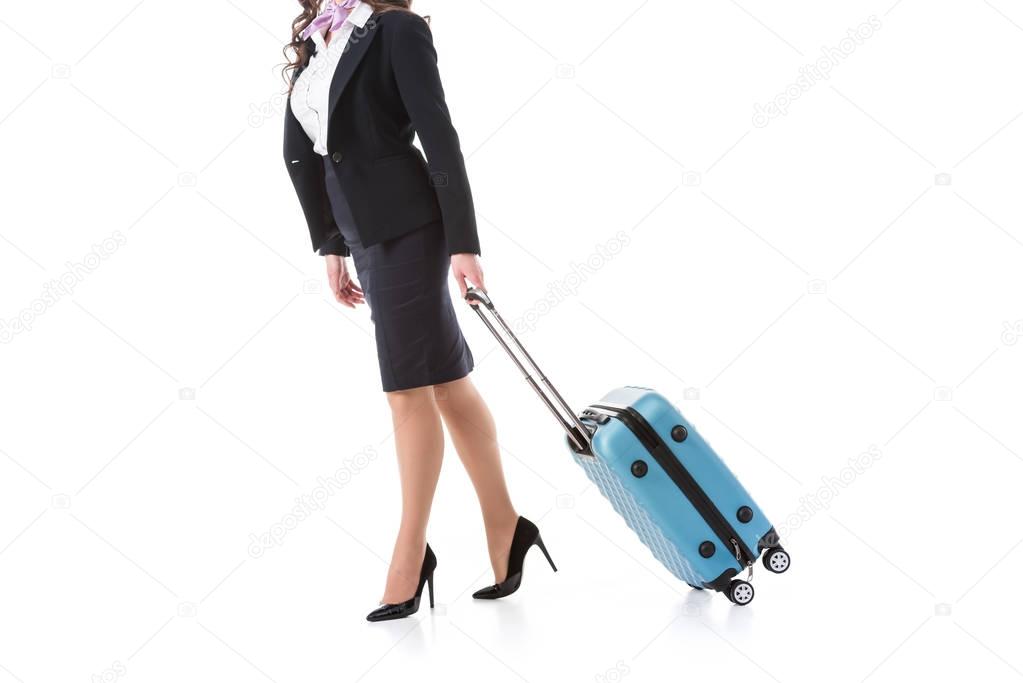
(364, 81)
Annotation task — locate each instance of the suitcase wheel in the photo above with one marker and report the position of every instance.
(740, 592)
(776, 560)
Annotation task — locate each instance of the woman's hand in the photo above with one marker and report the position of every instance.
(467, 267)
(345, 290)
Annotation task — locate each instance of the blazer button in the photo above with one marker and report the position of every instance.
(336, 157)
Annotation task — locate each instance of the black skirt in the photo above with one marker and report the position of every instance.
(405, 280)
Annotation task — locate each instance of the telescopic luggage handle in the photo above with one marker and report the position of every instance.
(578, 434)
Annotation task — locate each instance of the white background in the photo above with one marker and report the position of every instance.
(846, 277)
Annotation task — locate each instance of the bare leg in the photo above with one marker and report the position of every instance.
(419, 442)
(474, 434)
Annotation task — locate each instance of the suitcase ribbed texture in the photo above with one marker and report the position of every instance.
(632, 511)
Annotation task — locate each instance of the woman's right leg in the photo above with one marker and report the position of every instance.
(419, 442)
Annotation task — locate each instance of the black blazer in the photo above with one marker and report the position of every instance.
(385, 89)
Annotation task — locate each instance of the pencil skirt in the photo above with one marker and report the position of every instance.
(405, 281)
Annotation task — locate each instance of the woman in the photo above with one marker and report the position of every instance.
(364, 80)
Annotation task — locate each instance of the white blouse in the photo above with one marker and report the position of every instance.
(310, 97)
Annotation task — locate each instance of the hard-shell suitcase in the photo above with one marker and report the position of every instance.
(661, 476)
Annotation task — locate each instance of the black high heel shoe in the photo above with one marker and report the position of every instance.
(526, 536)
(400, 610)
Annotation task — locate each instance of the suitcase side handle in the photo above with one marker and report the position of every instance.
(578, 434)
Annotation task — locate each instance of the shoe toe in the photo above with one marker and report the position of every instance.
(385, 612)
(488, 593)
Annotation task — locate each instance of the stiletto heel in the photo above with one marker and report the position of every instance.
(543, 549)
(400, 610)
(525, 537)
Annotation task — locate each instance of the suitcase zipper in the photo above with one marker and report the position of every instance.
(681, 477)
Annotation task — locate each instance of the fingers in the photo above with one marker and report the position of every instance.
(351, 291)
(341, 296)
(465, 290)
(347, 281)
(475, 274)
(478, 281)
(346, 292)
(460, 279)
(350, 296)
(353, 297)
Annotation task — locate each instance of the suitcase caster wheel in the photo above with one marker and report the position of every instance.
(695, 588)
(776, 560)
(740, 592)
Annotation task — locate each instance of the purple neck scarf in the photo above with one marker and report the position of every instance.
(331, 17)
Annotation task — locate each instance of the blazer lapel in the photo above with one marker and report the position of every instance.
(355, 50)
(296, 142)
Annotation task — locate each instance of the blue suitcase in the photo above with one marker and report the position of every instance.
(659, 474)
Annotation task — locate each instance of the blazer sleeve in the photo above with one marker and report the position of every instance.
(414, 61)
(335, 245)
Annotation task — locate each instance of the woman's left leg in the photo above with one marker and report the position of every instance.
(419, 442)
